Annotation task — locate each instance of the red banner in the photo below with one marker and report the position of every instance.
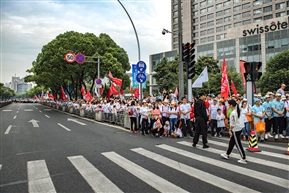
(136, 92)
(234, 88)
(36, 97)
(225, 82)
(113, 89)
(115, 80)
(88, 96)
(63, 93)
(243, 71)
(176, 91)
(100, 91)
(83, 91)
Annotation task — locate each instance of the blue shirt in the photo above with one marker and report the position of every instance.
(259, 111)
(279, 106)
(268, 108)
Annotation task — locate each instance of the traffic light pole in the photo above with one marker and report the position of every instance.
(181, 67)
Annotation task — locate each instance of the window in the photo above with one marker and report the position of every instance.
(195, 27)
(257, 2)
(204, 32)
(203, 40)
(287, 12)
(237, 16)
(203, 25)
(237, 24)
(195, 7)
(287, 3)
(210, 1)
(195, 34)
(227, 19)
(281, 14)
(280, 5)
(227, 4)
(227, 11)
(246, 14)
(227, 26)
(211, 38)
(211, 8)
(246, 22)
(237, 1)
(267, 1)
(175, 13)
(268, 17)
(195, 13)
(257, 19)
(246, 6)
(203, 18)
(257, 11)
(220, 37)
(219, 21)
(210, 31)
(219, 13)
(210, 16)
(267, 9)
(203, 10)
(219, 6)
(219, 29)
(175, 20)
(237, 8)
(195, 20)
(203, 3)
(210, 23)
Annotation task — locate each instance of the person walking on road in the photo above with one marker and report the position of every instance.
(201, 121)
(236, 125)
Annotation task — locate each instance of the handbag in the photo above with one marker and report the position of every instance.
(249, 118)
(260, 127)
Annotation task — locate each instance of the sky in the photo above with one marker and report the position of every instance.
(28, 25)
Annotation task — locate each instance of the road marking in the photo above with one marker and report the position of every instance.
(199, 174)
(17, 112)
(28, 110)
(146, 176)
(36, 107)
(63, 127)
(225, 165)
(15, 117)
(34, 122)
(267, 153)
(74, 120)
(38, 177)
(47, 116)
(0, 166)
(97, 181)
(47, 109)
(40, 111)
(8, 130)
(6, 110)
(235, 155)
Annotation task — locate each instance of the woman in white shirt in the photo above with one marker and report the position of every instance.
(144, 112)
(236, 125)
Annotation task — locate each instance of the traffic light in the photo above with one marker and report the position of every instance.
(191, 64)
(186, 51)
(252, 71)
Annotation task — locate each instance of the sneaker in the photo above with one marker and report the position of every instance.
(244, 138)
(215, 135)
(205, 146)
(242, 161)
(194, 145)
(220, 135)
(276, 136)
(281, 136)
(269, 135)
(225, 156)
(266, 136)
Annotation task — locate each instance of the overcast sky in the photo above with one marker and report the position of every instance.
(28, 25)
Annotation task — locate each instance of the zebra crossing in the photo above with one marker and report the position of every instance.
(179, 158)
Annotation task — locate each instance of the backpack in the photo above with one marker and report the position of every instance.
(130, 112)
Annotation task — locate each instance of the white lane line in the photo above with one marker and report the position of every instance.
(0, 166)
(235, 155)
(47, 116)
(8, 130)
(63, 127)
(27, 110)
(97, 181)
(38, 177)
(40, 111)
(225, 165)
(47, 109)
(6, 110)
(267, 153)
(15, 117)
(74, 120)
(146, 176)
(17, 112)
(199, 174)
(36, 107)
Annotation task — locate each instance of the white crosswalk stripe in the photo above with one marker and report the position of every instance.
(237, 169)
(250, 159)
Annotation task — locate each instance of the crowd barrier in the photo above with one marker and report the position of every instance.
(3, 104)
(121, 119)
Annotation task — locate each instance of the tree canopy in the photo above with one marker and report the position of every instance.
(277, 72)
(50, 70)
(5, 92)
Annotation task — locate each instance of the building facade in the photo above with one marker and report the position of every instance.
(249, 30)
(19, 85)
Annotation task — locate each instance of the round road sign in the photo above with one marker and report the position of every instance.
(80, 58)
(69, 57)
(141, 66)
(141, 77)
(98, 81)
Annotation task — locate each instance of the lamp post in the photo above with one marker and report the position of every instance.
(138, 46)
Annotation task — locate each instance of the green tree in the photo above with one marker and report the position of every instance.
(5, 92)
(34, 91)
(277, 72)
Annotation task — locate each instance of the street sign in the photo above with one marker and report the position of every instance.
(98, 81)
(141, 77)
(80, 58)
(141, 66)
(69, 57)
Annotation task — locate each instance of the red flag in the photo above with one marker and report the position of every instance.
(136, 92)
(110, 75)
(225, 82)
(83, 91)
(121, 92)
(115, 80)
(36, 97)
(242, 62)
(88, 96)
(130, 89)
(113, 89)
(63, 93)
(50, 96)
(108, 94)
(100, 91)
(234, 88)
(176, 91)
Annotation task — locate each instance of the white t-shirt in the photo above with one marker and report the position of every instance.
(179, 132)
(220, 120)
(185, 108)
(286, 106)
(243, 114)
(174, 109)
(144, 110)
(106, 108)
(213, 111)
(235, 121)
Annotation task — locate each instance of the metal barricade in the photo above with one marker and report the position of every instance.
(81, 112)
(98, 116)
(126, 121)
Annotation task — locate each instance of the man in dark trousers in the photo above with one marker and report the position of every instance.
(201, 121)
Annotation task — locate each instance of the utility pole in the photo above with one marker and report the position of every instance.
(180, 37)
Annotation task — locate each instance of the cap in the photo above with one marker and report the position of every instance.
(278, 94)
(144, 101)
(245, 99)
(215, 99)
(283, 97)
(267, 96)
(287, 95)
(270, 93)
(149, 104)
(257, 100)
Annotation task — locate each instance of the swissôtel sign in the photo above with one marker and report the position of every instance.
(266, 28)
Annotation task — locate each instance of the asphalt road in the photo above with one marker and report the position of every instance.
(44, 150)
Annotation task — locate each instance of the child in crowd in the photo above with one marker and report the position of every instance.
(177, 133)
(157, 128)
(166, 129)
(220, 122)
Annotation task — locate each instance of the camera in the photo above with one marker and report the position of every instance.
(164, 32)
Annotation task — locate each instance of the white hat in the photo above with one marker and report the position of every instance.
(166, 101)
(144, 101)
(283, 97)
(245, 100)
(278, 94)
(267, 96)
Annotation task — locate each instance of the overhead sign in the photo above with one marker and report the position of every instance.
(80, 58)
(69, 57)
(98, 81)
(141, 66)
(141, 77)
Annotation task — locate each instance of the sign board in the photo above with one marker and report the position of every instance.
(141, 77)
(141, 66)
(98, 86)
(80, 58)
(98, 81)
(69, 57)
(134, 73)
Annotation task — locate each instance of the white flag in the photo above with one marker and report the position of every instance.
(202, 78)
